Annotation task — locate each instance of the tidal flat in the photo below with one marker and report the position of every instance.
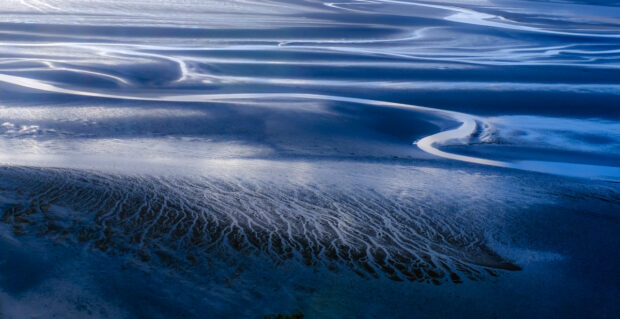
(309, 159)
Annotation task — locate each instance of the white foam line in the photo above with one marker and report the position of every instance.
(611, 89)
(479, 59)
(418, 34)
(45, 4)
(24, 2)
(468, 16)
(99, 74)
(337, 5)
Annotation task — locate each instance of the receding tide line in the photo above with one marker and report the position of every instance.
(468, 127)
(427, 144)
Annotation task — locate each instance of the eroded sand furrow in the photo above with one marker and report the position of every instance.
(159, 220)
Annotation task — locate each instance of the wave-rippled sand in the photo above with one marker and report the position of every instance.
(358, 159)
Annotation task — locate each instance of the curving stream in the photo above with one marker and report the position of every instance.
(360, 159)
